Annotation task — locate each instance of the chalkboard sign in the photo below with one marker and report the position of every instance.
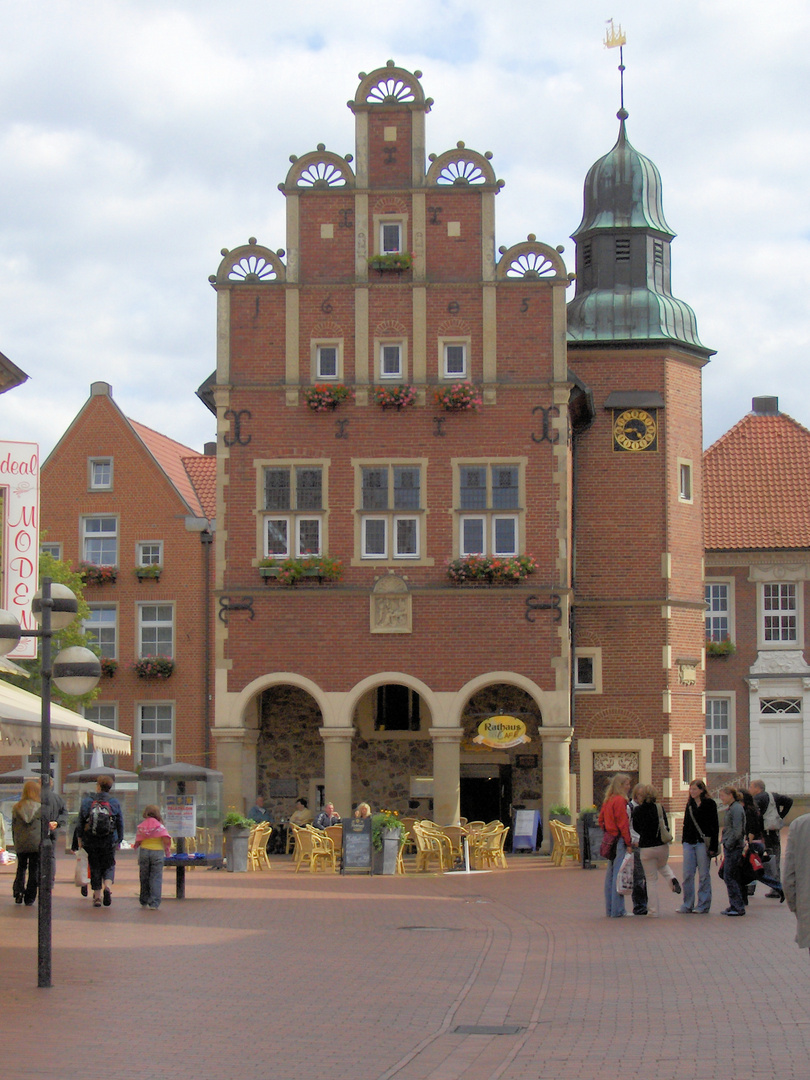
(356, 845)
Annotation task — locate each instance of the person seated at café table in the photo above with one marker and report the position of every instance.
(302, 815)
(328, 816)
(362, 810)
(258, 813)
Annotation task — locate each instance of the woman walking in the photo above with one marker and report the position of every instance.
(26, 829)
(649, 821)
(733, 843)
(701, 838)
(615, 823)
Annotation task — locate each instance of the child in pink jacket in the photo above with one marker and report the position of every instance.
(154, 842)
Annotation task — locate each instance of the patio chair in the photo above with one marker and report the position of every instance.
(428, 848)
(568, 841)
(492, 843)
(257, 847)
(455, 834)
(335, 834)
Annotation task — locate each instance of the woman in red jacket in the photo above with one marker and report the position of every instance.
(614, 820)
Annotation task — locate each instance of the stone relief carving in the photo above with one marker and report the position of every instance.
(780, 662)
(615, 761)
(390, 609)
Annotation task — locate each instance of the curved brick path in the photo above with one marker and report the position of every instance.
(297, 977)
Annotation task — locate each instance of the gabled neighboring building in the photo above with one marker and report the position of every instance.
(132, 506)
(757, 540)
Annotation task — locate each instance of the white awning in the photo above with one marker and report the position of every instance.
(21, 725)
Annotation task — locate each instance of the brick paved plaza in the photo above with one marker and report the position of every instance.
(284, 977)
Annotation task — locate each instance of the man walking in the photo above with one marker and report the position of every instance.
(774, 809)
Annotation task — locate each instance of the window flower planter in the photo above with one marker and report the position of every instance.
(395, 397)
(151, 572)
(154, 667)
(291, 571)
(392, 263)
(98, 575)
(490, 570)
(460, 397)
(720, 649)
(108, 667)
(324, 397)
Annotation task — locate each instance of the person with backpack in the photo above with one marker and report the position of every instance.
(101, 828)
(774, 809)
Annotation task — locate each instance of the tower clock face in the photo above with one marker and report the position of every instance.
(634, 430)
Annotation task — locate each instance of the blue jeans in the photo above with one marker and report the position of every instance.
(614, 902)
(696, 858)
(150, 868)
(732, 858)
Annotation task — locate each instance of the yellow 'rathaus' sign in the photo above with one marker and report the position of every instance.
(501, 732)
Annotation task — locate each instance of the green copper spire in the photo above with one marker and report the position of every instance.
(623, 242)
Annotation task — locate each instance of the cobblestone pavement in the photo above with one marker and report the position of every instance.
(281, 976)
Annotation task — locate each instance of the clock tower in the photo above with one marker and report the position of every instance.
(637, 614)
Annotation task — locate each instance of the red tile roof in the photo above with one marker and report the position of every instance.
(202, 471)
(756, 484)
(171, 457)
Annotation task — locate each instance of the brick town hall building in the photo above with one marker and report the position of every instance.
(585, 454)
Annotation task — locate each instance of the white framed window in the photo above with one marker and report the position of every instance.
(298, 490)
(100, 541)
(780, 611)
(588, 670)
(391, 240)
(327, 360)
(391, 518)
(719, 596)
(391, 360)
(454, 360)
(687, 765)
(54, 550)
(100, 473)
(101, 628)
(492, 489)
(156, 630)
(685, 481)
(156, 734)
(150, 553)
(720, 720)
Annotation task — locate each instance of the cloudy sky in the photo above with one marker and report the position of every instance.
(139, 137)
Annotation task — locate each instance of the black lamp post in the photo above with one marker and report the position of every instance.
(76, 671)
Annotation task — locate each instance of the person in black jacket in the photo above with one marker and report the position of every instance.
(774, 809)
(101, 848)
(648, 819)
(701, 832)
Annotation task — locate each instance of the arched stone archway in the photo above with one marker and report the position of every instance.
(289, 747)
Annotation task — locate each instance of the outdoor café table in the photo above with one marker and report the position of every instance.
(180, 862)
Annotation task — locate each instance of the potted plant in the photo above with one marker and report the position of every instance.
(324, 397)
(490, 570)
(395, 397)
(721, 649)
(154, 667)
(98, 575)
(388, 834)
(108, 666)
(460, 397)
(560, 812)
(236, 829)
(150, 571)
(392, 262)
(290, 571)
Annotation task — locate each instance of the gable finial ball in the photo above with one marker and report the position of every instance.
(321, 146)
(362, 74)
(348, 157)
(560, 248)
(293, 158)
(390, 63)
(502, 249)
(251, 239)
(531, 237)
(281, 253)
(431, 157)
(460, 145)
(212, 278)
(488, 155)
(418, 74)
(224, 252)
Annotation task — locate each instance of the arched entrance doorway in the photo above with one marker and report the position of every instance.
(289, 749)
(493, 781)
(392, 751)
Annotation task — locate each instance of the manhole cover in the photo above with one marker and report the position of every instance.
(488, 1029)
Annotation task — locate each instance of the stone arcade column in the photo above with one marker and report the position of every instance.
(236, 760)
(555, 774)
(446, 768)
(337, 767)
